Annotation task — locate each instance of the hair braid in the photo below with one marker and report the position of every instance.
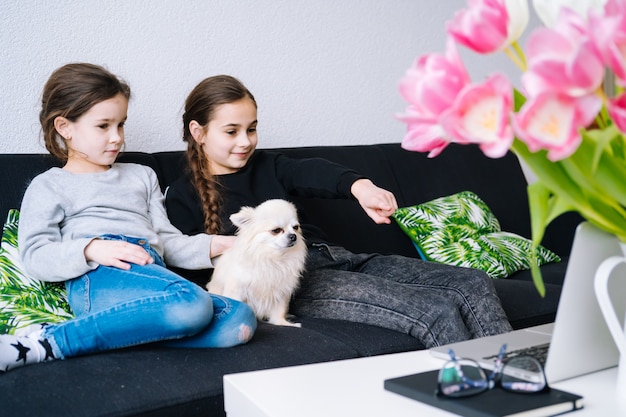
(206, 185)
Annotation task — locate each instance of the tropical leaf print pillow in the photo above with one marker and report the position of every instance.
(461, 230)
(25, 301)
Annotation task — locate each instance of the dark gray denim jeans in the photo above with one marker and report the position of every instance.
(436, 303)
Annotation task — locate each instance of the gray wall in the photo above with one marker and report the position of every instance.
(323, 71)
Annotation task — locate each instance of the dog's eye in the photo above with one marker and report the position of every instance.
(276, 231)
(296, 227)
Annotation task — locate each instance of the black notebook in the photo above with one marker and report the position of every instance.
(493, 403)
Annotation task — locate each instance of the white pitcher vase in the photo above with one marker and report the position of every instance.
(603, 276)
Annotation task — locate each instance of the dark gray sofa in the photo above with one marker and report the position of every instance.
(151, 381)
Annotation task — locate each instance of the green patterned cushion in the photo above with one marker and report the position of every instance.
(25, 301)
(461, 230)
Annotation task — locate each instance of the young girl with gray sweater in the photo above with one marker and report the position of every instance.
(100, 227)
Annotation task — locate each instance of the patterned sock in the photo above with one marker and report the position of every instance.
(16, 351)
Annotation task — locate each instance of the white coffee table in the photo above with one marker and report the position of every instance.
(355, 388)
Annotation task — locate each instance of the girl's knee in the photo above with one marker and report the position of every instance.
(246, 331)
(242, 324)
(248, 322)
(193, 314)
(475, 281)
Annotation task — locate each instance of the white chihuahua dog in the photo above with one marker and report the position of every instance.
(264, 265)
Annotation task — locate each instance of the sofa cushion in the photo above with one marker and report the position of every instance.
(25, 301)
(461, 230)
(518, 296)
(153, 381)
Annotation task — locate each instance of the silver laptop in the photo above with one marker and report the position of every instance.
(579, 339)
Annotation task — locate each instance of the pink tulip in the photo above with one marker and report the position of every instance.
(423, 134)
(430, 87)
(552, 121)
(434, 80)
(563, 59)
(617, 110)
(608, 31)
(481, 115)
(489, 25)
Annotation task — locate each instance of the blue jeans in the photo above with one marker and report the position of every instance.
(116, 308)
(436, 303)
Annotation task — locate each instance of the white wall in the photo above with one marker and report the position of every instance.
(322, 71)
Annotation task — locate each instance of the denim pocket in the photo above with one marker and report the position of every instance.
(158, 259)
(324, 250)
(78, 295)
(330, 257)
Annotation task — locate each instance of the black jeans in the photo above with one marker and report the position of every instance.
(436, 303)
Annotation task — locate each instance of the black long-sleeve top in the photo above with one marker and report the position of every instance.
(267, 175)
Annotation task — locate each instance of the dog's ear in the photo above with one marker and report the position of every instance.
(242, 217)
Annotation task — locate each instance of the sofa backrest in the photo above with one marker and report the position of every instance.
(411, 176)
(17, 170)
(414, 178)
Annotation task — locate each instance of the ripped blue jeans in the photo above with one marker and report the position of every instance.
(118, 308)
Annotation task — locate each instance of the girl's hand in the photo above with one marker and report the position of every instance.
(116, 253)
(221, 243)
(377, 203)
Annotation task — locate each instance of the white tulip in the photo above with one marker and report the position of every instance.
(548, 10)
(518, 19)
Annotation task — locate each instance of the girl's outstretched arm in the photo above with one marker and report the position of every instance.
(377, 202)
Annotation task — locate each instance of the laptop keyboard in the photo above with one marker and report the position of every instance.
(539, 352)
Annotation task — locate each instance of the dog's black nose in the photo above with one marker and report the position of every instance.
(292, 237)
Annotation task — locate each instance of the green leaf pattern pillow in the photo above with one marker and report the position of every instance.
(25, 301)
(461, 230)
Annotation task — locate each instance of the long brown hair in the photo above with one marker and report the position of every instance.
(200, 106)
(70, 92)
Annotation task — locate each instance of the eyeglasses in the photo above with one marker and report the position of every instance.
(462, 377)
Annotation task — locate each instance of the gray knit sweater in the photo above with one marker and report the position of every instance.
(61, 212)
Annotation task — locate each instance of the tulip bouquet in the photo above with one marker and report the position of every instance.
(565, 121)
